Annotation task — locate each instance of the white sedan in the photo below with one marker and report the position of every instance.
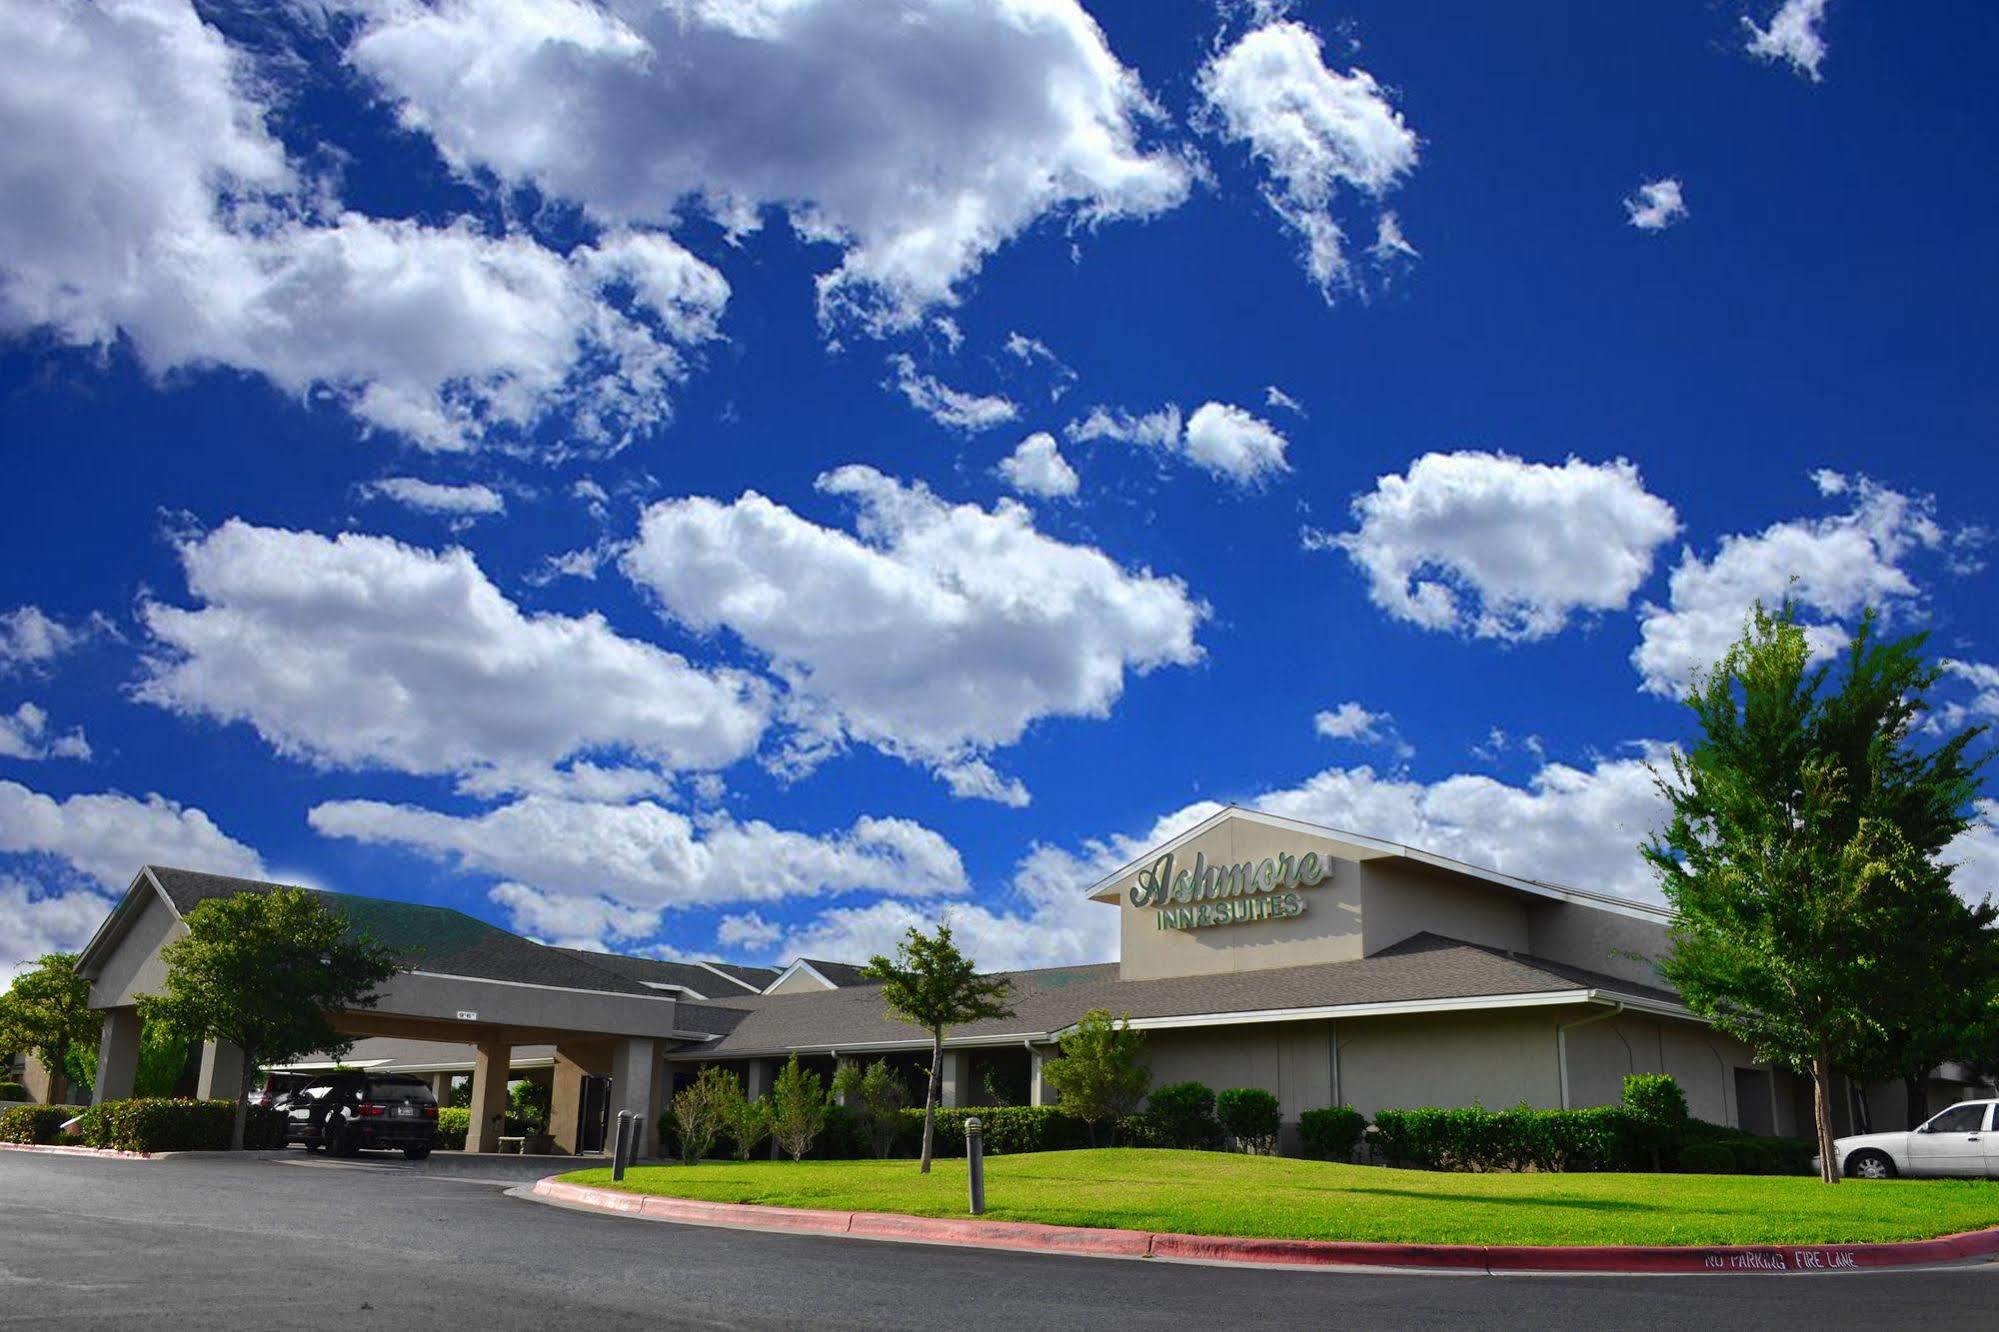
(1960, 1141)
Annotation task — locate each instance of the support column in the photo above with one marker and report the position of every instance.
(117, 1056)
(759, 1075)
(951, 1087)
(440, 1087)
(634, 1070)
(1037, 1090)
(221, 1077)
(841, 1062)
(491, 1061)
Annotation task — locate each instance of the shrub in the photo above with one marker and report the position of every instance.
(1006, 1129)
(1655, 1099)
(1101, 1074)
(700, 1110)
(157, 1124)
(1751, 1154)
(13, 1091)
(527, 1107)
(798, 1106)
(1707, 1158)
(1183, 1115)
(453, 1123)
(1474, 1138)
(35, 1123)
(1251, 1117)
(1331, 1133)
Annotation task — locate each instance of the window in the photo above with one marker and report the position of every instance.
(399, 1089)
(1968, 1118)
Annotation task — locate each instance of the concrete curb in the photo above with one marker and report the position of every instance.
(109, 1153)
(1490, 1259)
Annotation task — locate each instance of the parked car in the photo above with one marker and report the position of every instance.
(278, 1088)
(1959, 1141)
(345, 1113)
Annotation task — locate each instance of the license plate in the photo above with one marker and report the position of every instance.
(405, 1112)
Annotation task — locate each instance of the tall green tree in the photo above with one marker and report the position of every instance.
(264, 971)
(1101, 1074)
(47, 1013)
(799, 1108)
(930, 984)
(1806, 837)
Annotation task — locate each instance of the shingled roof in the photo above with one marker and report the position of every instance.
(1427, 967)
(424, 938)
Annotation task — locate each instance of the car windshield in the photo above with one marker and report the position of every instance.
(1960, 1119)
(398, 1089)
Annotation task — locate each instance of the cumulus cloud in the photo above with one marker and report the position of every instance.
(30, 638)
(916, 138)
(1792, 36)
(993, 624)
(106, 837)
(1219, 438)
(149, 201)
(580, 870)
(26, 735)
(1832, 566)
(1486, 544)
(1656, 205)
(35, 920)
(357, 651)
(1316, 133)
(1350, 721)
(1036, 467)
(466, 501)
(747, 931)
(945, 405)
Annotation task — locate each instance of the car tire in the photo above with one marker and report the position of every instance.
(416, 1153)
(340, 1142)
(1870, 1165)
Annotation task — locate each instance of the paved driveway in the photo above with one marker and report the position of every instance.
(88, 1243)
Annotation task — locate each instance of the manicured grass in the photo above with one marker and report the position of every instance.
(1213, 1193)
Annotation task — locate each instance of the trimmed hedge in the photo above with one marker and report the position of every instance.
(1250, 1116)
(13, 1091)
(1332, 1133)
(1707, 1158)
(453, 1123)
(1182, 1114)
(157, 1124)
(1005, 1128)
(35, 1123)
(1474, 1138)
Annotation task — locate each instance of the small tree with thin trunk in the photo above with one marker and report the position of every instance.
(47, 1013)
(930, 984)
(1804, 845)
(1101, 1074)
(798, 1108)
(264, 971)
(703, 1109)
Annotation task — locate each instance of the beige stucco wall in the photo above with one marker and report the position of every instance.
(1291, 1060)
(1329, 931)
(1587, 936)
(134, 967)
(1498, 1058)
(1701, 1060)
(1400, 898)
(799, 982)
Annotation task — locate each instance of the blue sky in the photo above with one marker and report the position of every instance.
(736, 480)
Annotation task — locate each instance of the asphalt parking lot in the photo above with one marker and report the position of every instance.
(291, 1244)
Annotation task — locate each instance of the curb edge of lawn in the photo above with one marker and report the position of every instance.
(1492, 1259)
(114, 1154)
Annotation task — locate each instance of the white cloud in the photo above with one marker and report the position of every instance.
(1276, 397)
(1656, 205)
(148, 199)
(1832, 567)
(945, 405)
(1792, 36)
(1219, 438)
(30, 638)
(35, 920)
(1033, 351)
(1487, 544)
(1975, 852)
(747, 931)
(918, 140)
(975, 779)
(1389, 242)
(573, 868)
(992, 624)
(1233, 444)
(357, 651)
(1036, 467)
(1315, 131)
(466, 501)
(26, 735)
(107, 837)
(1350, 721)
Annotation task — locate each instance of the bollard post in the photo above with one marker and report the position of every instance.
(975, 1156)
(619, 1144)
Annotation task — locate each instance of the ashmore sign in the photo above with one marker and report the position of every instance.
(1204, 894)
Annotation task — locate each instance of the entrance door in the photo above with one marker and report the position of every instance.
(593, 1115)
(1952, 1143)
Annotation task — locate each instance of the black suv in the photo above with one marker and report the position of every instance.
(342, 1113)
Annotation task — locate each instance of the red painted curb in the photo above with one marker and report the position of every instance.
(57, 1149)
(1033, 1237)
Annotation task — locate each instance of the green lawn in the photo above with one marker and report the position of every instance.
(1213, 1193)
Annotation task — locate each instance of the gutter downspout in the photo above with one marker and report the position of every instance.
(1562, 1031)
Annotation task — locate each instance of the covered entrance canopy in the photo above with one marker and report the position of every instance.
(462, 981)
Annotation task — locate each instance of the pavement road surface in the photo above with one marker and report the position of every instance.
(298, 1245)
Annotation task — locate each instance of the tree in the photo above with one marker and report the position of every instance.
(1100, 1074)
(876, 1095)
(1937, 997)
(1805, 838)
(931, 985)
(747, 1122)
(700, 1110)
(47, 1014)
(264, 971)
(798, 1106)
